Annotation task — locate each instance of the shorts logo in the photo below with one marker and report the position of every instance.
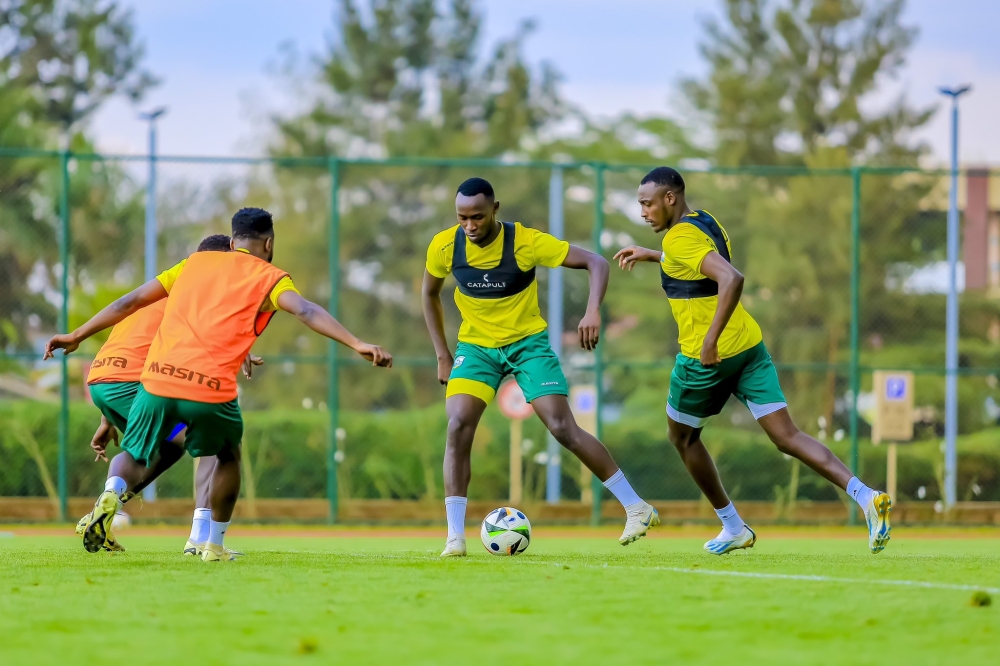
(115, 361)
(550, 383)
(459, 360)
(184, 373)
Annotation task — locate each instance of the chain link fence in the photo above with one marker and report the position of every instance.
(844, 272)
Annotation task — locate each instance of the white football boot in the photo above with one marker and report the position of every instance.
(455, 547)
(877, 515)
(639, 518)
(726, 542)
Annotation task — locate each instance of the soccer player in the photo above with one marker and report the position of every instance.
(502, 334)
(722, 354)
(219, 303)
(114, 381)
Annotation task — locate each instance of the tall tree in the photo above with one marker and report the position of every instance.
(72, 54)
(791, 77)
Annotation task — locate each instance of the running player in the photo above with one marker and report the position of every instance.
(503, 333)
(114, 380)
(723, 354)
(220, 303)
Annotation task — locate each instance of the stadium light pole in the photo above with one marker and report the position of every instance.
(149, 494)
(553, 470)
(951, 331)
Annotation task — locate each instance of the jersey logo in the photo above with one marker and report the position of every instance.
(459, 360)
(184, 373)
(116, 361)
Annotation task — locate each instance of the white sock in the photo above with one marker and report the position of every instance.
(455, 508)
(216, 532)
(116, 484)
(199, 526)
(731, 520)
(861, 493)
(622, 489)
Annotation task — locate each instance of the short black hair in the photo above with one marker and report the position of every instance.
(667, 176)
(214, 243)
(254, 223)
(475, 186)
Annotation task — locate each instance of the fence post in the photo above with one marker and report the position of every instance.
(64, 240)
(597, 488)
(553, 469)
(855, 322)
(332, 367)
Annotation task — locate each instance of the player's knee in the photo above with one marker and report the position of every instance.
(461, 429)
(681, 439)
(563, 429)
(783, 438)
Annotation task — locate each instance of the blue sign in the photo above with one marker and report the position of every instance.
(586, 402)
(895, 388)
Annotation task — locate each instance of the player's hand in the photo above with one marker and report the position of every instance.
(64, 341)
(248, 363)
(445, 364)
(105, 433)
(378, 356)
(629, 256)
(710, 353)
(590, 330)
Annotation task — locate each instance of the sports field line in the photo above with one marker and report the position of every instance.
(800, 577)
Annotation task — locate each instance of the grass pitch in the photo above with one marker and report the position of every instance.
(575, 597)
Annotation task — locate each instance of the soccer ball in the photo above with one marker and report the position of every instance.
(506, 531)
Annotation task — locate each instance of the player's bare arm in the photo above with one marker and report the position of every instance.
(730, 289)
(597, 267)
(628, 257)
(145, 295)
(318, 319)
(434, 318)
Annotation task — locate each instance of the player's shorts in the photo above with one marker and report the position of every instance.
(211, 427)
(114, 399)
(478, 371)
(698, 392)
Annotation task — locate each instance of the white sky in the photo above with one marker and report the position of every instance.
(625, 55)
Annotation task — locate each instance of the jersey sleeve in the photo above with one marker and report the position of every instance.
(439, 254)
(284, 284)
(686, 245)
(547, 250)
(168, 277)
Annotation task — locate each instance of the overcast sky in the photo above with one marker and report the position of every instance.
(625, 55)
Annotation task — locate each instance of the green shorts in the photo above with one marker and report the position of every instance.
(211, 427)
(478, 371)
(698, 392)
(114, 399)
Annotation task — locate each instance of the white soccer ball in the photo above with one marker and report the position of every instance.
(506, 531)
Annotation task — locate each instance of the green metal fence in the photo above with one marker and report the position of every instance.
(834, 258)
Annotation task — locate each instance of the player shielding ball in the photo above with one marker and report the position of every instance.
(722, 354)
(502, 334)
(219, 303)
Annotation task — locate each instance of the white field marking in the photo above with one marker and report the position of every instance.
(804, 577)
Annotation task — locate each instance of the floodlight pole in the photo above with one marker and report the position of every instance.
(951, 333)
(149, 494)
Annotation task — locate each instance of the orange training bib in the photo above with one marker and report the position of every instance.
(121, 358)
(212, 320)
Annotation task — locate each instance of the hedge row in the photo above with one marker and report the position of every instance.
(399, 455)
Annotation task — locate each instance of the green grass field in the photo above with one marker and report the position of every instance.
(575, 597)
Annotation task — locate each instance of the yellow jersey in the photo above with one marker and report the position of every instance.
(685, 246)
(497, 322)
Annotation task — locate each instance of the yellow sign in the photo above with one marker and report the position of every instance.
(893, 406)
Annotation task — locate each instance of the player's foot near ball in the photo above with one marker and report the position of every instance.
(877, 515)
(727, 543)
(455, 547)
(193, 549)
(214, 553)
(97, 532)
(639, 518)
